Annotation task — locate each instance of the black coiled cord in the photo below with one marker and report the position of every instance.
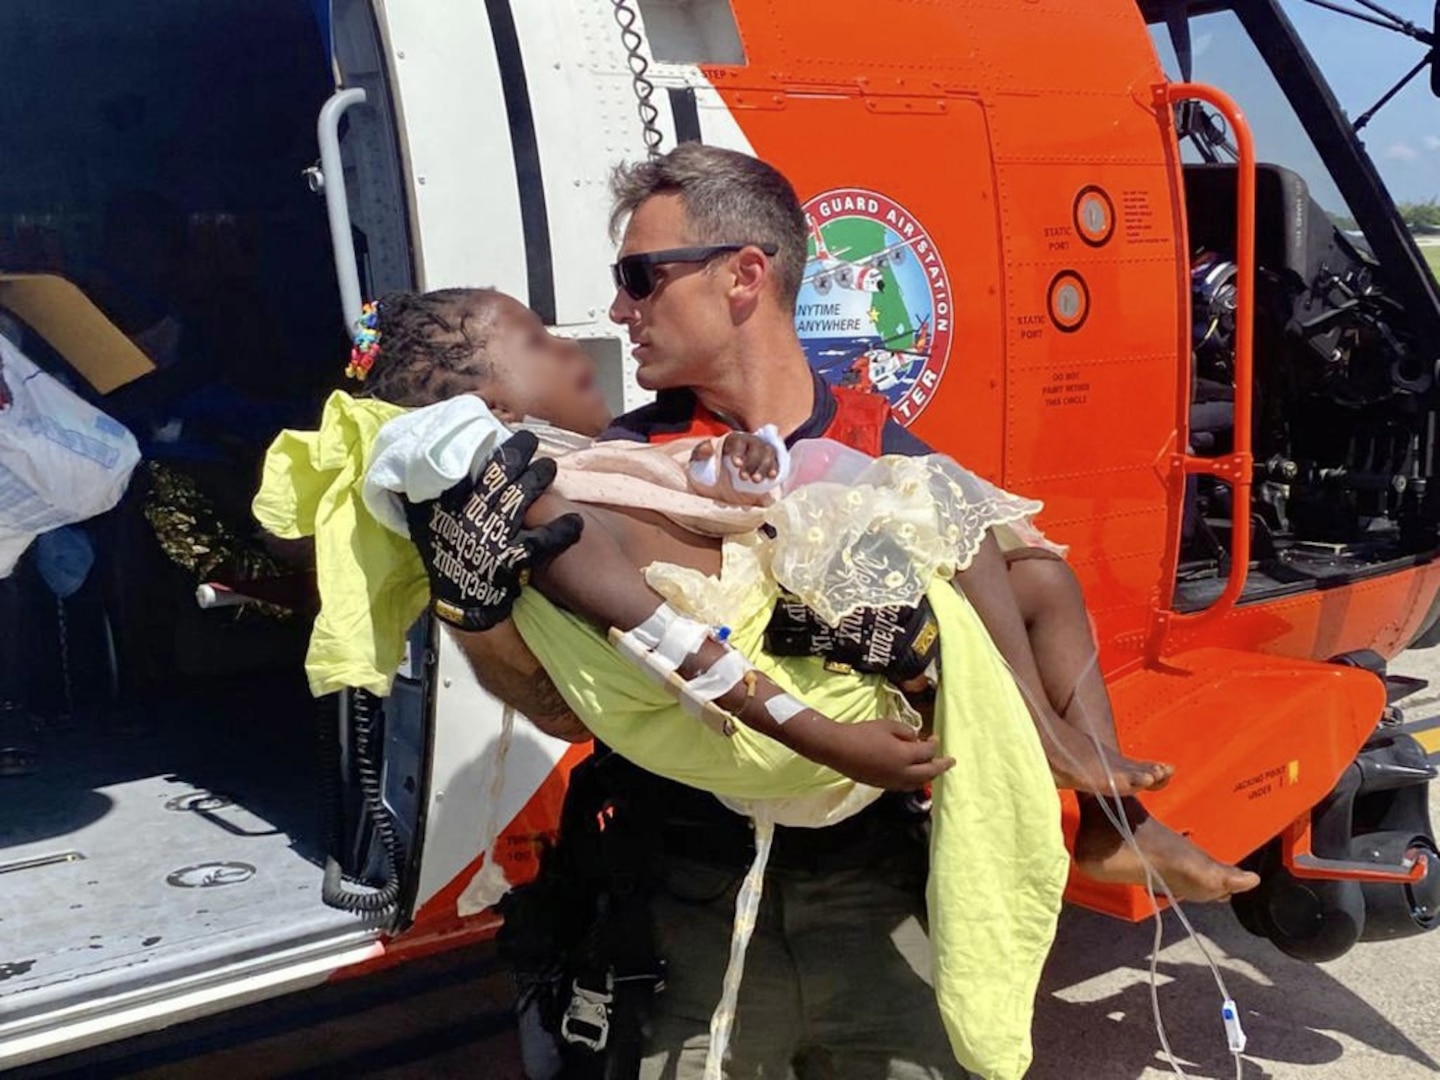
(626, 16)
(336, 889)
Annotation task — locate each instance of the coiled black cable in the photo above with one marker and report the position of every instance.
(626, 16)
(336, 888)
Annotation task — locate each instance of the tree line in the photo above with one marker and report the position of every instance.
(1423, 216)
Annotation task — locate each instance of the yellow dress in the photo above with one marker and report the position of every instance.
(372, 584)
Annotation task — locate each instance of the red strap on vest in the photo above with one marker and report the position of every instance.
(859, 422)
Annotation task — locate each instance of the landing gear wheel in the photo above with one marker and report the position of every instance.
(1309, 920)
(1247, 908)
(1320, 920)
(1396, 911)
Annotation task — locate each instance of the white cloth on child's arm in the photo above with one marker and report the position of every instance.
(425, 452)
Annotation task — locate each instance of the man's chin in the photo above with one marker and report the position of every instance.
(649, 377)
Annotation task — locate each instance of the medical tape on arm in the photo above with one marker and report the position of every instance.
(664, 639)
(783, 707)
(723, 676)
(680, 639)
(719, 678)
(660, 644)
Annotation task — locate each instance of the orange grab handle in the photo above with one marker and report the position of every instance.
(1236, 468)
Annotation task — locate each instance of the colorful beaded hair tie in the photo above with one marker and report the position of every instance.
(367, 342)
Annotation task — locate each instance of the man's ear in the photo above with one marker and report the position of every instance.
(752, 272)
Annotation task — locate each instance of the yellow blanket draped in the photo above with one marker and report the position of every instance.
(372, 584)
(998, 861)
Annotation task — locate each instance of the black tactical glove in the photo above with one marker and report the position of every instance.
(473, 540)
(897, 642)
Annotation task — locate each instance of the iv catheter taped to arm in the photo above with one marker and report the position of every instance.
(660, 644)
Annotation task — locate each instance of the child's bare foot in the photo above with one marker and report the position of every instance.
(1078, 762)
(1102, 854)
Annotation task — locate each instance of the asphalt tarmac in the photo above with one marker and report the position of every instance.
(1370, 1015)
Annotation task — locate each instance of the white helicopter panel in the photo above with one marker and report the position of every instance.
(585, 121)
(455, 139)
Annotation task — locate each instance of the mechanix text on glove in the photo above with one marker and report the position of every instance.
(897, 642)
(473, 541)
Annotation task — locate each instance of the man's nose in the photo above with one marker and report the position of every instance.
(622, 308)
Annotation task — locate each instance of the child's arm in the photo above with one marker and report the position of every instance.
(598, 581)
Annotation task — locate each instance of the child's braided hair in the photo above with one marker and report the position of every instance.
(430, 346)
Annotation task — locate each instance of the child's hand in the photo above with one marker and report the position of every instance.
(754, 459)
(739, 469)
(882, 753)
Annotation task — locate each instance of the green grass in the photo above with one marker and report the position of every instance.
(1432, 256)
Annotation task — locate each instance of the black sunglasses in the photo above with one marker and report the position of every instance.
(636, 273)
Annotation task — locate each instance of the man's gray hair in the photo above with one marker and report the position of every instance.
(729, 198)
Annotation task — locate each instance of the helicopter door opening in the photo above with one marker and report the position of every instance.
(163, 763)
(374, 749)
(1343, 425)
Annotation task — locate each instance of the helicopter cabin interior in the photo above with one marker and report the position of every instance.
(166, 784)
(1343, 432)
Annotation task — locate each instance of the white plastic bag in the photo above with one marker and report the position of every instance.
(61, 459)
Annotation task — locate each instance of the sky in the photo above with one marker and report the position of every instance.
(1361, 62)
